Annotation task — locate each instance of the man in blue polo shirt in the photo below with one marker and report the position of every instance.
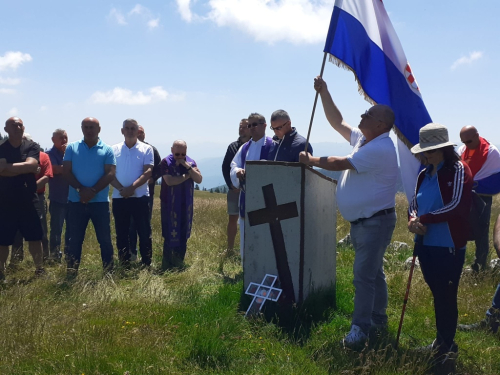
(89, 165)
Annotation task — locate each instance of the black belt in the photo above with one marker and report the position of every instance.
(379, 213)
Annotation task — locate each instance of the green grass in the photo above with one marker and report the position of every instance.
(192, 322)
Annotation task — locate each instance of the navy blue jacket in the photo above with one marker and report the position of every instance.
(288, 148)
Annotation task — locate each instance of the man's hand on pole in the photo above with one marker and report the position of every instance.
(304, 157)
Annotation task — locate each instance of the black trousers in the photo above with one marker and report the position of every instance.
(124, 210)
(442, 267)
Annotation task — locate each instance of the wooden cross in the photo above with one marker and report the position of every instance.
(273, 214)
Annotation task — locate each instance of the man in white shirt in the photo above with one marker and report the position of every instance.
(257, 148)
(134, 166)
(365, 197)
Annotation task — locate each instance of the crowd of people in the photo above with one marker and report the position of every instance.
(79, 175)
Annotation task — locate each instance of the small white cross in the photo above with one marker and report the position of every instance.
(261, 293)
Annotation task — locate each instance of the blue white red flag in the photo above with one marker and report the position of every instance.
(362, 39)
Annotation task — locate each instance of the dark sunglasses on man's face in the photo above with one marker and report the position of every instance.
(278, 128)
(179, 154)
(254, 124)
(467, 142)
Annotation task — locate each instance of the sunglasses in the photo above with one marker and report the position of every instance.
(254, 124)
(367, 114)
(278, 127)
(179, 154)
(467, 142)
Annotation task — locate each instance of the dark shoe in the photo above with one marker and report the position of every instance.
(40, 272)
(490, 323)
(71, 274)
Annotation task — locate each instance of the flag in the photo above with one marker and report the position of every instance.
(362, 39)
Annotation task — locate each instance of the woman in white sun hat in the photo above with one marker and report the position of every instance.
(438, 215)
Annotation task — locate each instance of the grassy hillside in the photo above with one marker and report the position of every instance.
(190, 322)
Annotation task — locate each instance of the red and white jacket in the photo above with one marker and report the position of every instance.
(455, 185)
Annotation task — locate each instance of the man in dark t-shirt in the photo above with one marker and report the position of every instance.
(18, 165)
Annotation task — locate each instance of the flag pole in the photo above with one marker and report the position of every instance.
(315, 102)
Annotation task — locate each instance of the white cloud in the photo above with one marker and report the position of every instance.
(117, 16)
(473, 56)
(125, 96)
(10, 81)
(13, 112)
(44, 108)
(185, 10)
(154, 23)
(7, 91)
(270, 21)
(138, 9)
(12, 60)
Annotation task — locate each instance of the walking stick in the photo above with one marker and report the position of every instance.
(407, 289)
(315, 102)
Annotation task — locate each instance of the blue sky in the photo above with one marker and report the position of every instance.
(192, 69)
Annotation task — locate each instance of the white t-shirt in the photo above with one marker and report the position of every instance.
(130, 164)
(371, 186)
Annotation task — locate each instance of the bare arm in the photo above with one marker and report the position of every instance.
(143, 178)
(69, 176)
(195, 174)
(330, 163)
(41, 182)
(175, 180)
(496, 236)
(57, 169)
(332, 113)
(15, 169)
(107, 177)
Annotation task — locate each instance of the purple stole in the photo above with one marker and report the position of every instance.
(180, 204)
(264, 152)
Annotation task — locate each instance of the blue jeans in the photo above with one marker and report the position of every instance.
(58, 215)
(496, 301)
(442, 268)
(79, 215)
(370, 239)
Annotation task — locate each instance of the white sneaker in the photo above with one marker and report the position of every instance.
(355, 337)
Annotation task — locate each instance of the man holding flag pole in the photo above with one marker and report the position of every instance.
(362, 39)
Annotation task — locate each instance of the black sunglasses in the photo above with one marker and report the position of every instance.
(467, 142)
(179, 154)
(254, 124)
(279, 127)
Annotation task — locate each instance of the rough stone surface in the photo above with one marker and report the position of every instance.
(408, 263)
(399, 246)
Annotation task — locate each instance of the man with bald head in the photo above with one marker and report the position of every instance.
(366, 197)
(89, 166)
(19, 160)
(179, 174)
(483, 160)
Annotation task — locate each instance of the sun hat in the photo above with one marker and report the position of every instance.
(431, 137)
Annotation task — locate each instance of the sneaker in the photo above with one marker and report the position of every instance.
(490, 323)
(355, 338)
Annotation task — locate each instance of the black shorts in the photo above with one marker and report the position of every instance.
(23, 218)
